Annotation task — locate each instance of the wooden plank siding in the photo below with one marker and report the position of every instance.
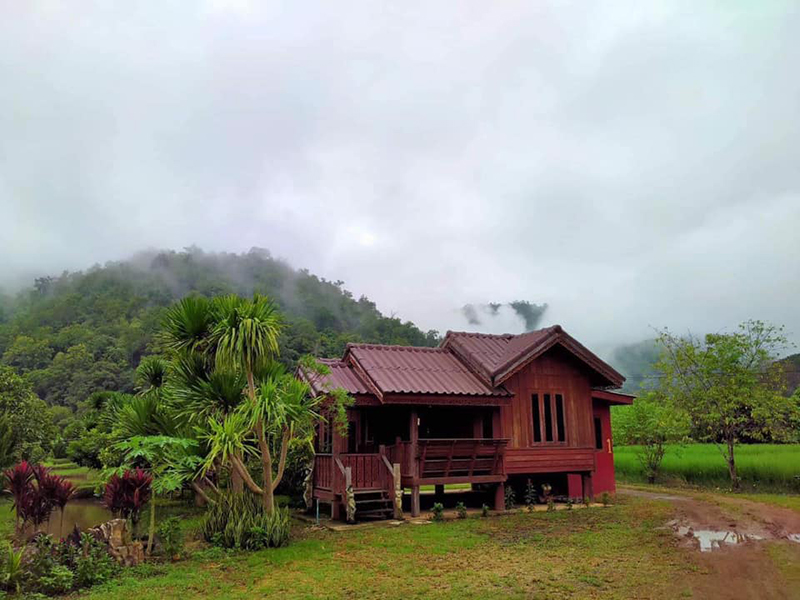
(555, 372)
(549, 460)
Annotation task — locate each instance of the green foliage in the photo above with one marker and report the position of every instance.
(81, 332)
(730, 385)
(586, 501)
(57, 580)
(240, 521)
(484, 511)
(438, 511)
(551, 505)
(569, 503)
(605, 498)
(245, 332)
(11, 569)
(171, 536)
(92, 564)
(650, 423)
(25, 420)
(510, 498)
(44, 571)
(530, 494)
(461, 510)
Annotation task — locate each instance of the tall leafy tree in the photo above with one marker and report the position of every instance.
(652, 422)
(730, 385)
(25, 417)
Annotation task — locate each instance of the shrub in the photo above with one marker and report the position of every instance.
(510, 498)
(605, 498)
(569, 503)
(240, 521)
(57, 580)
(171, 536)
(586, 501)
(461, 510)
(438, 511)
(43, 569)
(11, 571)
(551, 505)
(484, 511)
(36, 492)
(93, 564)
(125, 496)
(530, 495)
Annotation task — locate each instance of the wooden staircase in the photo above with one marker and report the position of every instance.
(373, 503)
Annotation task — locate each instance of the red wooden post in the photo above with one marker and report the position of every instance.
(588, 488)
(414, 438)
(500, 497)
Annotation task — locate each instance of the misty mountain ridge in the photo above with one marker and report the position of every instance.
(86, 331)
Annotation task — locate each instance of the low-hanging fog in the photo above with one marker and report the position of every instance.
(628, 165)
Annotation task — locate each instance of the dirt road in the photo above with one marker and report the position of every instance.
(743, 549)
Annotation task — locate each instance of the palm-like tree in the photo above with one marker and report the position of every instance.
(283, 408)
(245, 334)
(244, 338)
(187, 324)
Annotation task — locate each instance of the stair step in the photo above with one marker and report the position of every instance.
(369, 491)
(373, 513)
(384, 501)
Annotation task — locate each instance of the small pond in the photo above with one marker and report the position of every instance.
(84, 513)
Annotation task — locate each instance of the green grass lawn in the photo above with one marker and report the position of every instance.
(83, 478)
(761, 467)
(6, 519)
(597, 553)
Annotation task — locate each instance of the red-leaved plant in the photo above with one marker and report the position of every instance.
(36, 492)
(126, 495)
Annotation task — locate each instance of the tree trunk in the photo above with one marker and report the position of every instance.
(237, 483)
(266, 458)
(152, 532)
(732, 465)
(266, 470)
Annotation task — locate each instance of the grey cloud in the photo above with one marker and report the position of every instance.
(634, 164)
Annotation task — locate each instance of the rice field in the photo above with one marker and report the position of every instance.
(760, 466)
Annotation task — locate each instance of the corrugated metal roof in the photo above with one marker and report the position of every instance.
(496, 357)
(413, 370)
(495, 353)
(341, 376)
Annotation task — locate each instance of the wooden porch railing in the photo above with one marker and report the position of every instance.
(428, 461)
(323, 472)
(440, 459)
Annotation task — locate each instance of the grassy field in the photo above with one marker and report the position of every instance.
(84, 479)
(6, 519)
(597, 553)
(762, 467)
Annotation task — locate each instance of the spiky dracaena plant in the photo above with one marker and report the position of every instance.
(188, 324)
(36, 492)
(126, 495)
(151, 375)
(17, 480)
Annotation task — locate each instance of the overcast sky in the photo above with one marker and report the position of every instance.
(631, 164)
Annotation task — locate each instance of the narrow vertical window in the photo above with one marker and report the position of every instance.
(598, 433)
(560, 417)
(548, 419)
(537, 420)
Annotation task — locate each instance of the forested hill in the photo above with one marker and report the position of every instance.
(86, 331)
